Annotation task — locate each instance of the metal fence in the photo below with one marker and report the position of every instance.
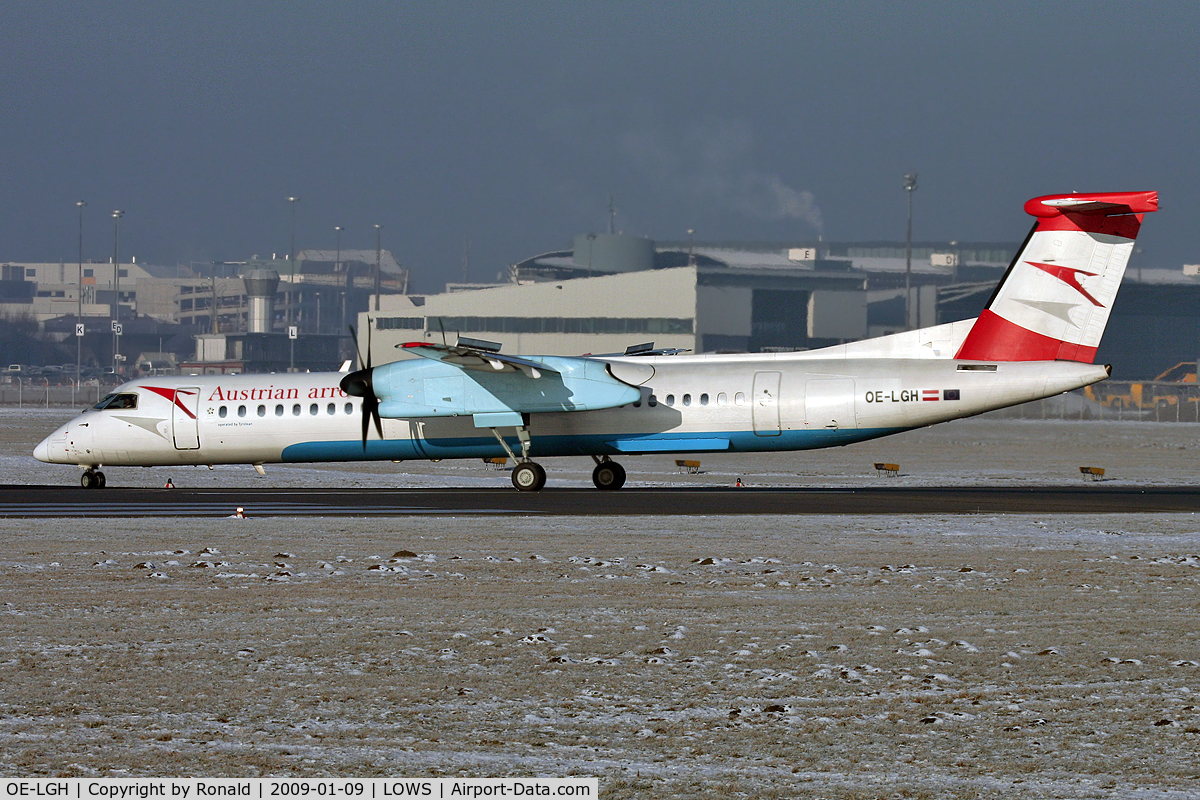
(1133, 401)
(30, 394)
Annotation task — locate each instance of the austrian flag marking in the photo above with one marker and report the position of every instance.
(930, 394)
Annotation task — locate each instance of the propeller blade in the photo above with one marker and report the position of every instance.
(360, 383)
(368, 342)
(378, 420)
(366, 424)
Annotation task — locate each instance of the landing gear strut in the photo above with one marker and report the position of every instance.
(608, 475)
(527, 476)
(92, 479)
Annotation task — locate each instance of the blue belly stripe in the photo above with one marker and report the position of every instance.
(660, 445)
(578, 445)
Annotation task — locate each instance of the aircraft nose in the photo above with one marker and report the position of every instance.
(42, 451)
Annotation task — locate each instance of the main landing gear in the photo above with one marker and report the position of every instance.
(529, 476)
(608, 474)
(92, 479)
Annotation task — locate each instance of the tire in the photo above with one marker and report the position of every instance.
(528, 477)
(608, 476)
(89, 480)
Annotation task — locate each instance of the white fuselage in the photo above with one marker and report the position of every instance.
(691, 404)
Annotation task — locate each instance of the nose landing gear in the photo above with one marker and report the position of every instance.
(92, 479)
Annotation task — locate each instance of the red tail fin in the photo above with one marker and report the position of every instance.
(1054, 301)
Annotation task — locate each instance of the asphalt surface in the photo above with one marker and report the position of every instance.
(56, 501)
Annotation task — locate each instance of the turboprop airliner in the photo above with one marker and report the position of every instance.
(1036, 338)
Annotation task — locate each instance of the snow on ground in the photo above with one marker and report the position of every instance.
(768, 657)
(934, 656)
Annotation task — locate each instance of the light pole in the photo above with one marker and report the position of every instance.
(378, 254)
(691, 247)
(79, 314)
(79, 204)
(116, 317)
(337, 270)
(292, 262)
(910, 186)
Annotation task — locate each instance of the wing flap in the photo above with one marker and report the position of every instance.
(477, 358)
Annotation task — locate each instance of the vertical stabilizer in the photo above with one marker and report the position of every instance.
(1054, 301)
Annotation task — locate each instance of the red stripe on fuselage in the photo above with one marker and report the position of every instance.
(173, 396)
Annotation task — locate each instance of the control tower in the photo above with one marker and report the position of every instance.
(260, 288)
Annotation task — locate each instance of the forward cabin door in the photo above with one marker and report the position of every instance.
(184, 421)
(764, 405)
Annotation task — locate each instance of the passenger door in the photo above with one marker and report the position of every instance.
(764, 404)
(184, 422)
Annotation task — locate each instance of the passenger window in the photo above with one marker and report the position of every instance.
(704, 399)
(349, 408)
(313, 409)
(296, 410)
(279, 410)
(670, 399)
(222, 411)
(687, 399)
(331, 410)
(241, 411)
(653, 401)
(262, 411)
(722, 399)
(739, 399)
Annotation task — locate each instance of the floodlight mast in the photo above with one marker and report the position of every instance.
(79, 313)
(116, 318)
(910, 186)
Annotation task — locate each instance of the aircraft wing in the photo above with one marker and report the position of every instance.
(477, 355)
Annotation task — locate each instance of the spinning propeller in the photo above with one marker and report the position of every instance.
(360, 384)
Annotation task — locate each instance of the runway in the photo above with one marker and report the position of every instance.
(58, 502)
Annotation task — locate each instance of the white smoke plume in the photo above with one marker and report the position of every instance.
(711, 164)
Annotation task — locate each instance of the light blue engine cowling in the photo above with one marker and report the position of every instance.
(427, 388)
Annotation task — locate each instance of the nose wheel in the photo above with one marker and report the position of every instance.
(92, 479)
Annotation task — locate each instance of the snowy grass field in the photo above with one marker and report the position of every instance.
(836, 657)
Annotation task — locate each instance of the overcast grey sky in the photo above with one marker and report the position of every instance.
(510, 124)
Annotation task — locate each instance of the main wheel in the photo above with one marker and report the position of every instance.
(528, 477)
(608, 475)
(90, 479)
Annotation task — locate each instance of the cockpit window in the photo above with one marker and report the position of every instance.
(117, 401)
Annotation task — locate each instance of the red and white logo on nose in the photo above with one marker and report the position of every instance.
(173, 396)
